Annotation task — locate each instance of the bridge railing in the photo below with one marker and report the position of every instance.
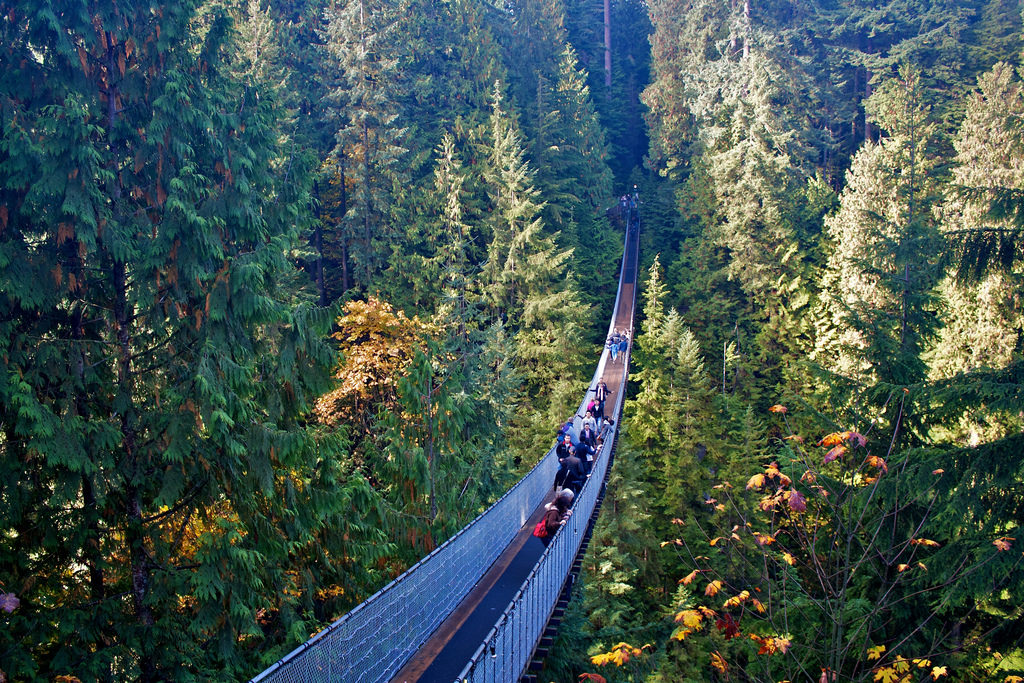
(373, 641)
(508, 647)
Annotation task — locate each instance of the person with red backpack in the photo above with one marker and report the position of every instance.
(555, 515)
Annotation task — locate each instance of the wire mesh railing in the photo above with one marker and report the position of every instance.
(507, 649)
(373, 641)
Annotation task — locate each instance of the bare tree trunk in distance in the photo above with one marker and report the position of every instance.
(608, 48)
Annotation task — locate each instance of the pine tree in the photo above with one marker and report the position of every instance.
(526, 278)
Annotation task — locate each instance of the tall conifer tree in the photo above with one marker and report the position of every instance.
(370, 136)
(526, 278)
(878, 284)
(159, 481)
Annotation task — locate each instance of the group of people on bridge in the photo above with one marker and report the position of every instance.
(617, 344)
(628, 209)
(576, 453)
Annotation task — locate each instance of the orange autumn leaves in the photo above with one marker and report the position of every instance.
(619, 655)
(777, 485)
(378, 343)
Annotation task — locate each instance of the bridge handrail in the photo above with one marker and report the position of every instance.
(419, 600)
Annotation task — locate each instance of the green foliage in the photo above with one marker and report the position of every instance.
(370, 141)
(163, 496)
(884, 265)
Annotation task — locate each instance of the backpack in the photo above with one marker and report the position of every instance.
(541, 530)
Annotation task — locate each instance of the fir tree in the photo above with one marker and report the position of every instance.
(370, 136)
(982, 320)
(526, 277)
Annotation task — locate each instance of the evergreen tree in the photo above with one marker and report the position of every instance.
(370, 137)
(570, 154)
(526, 278)
(569, 147)
(534, 45)
(983, 320)
(161, 487)
(878, 283)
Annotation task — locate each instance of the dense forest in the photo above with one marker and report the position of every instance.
(291, 290)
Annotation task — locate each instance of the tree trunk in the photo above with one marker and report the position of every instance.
(746, 28)
(431, 455)
(134, 532)
(367, 206)
(608, 48)
(318, 237)
(345, 284)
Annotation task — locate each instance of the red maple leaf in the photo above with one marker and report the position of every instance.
(727, 626)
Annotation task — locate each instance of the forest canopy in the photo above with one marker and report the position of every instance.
(291, 290)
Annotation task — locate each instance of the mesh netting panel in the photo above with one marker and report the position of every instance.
(373, 641)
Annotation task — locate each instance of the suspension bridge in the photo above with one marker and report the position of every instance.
(484, 606)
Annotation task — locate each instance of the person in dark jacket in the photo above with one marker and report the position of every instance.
(562, 451)
(588, 435)
(563, 447)
(575, 474)
(586, 452)
(600, 396)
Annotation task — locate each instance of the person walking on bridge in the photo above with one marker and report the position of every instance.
(613, 344)
(575, 471)
(588, 435)
(600, 395)
(588, 421)
(557, 513)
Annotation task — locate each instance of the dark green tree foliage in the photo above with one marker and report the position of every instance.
(449, 62)
(371, 147)
(526, 278)
(450, 59)
(533, 46)
(570, 156)
(301, 53)
(872, 39)
(619, 106)
(569, 147)
(159, 482)
(994, 36)
(751, 144)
